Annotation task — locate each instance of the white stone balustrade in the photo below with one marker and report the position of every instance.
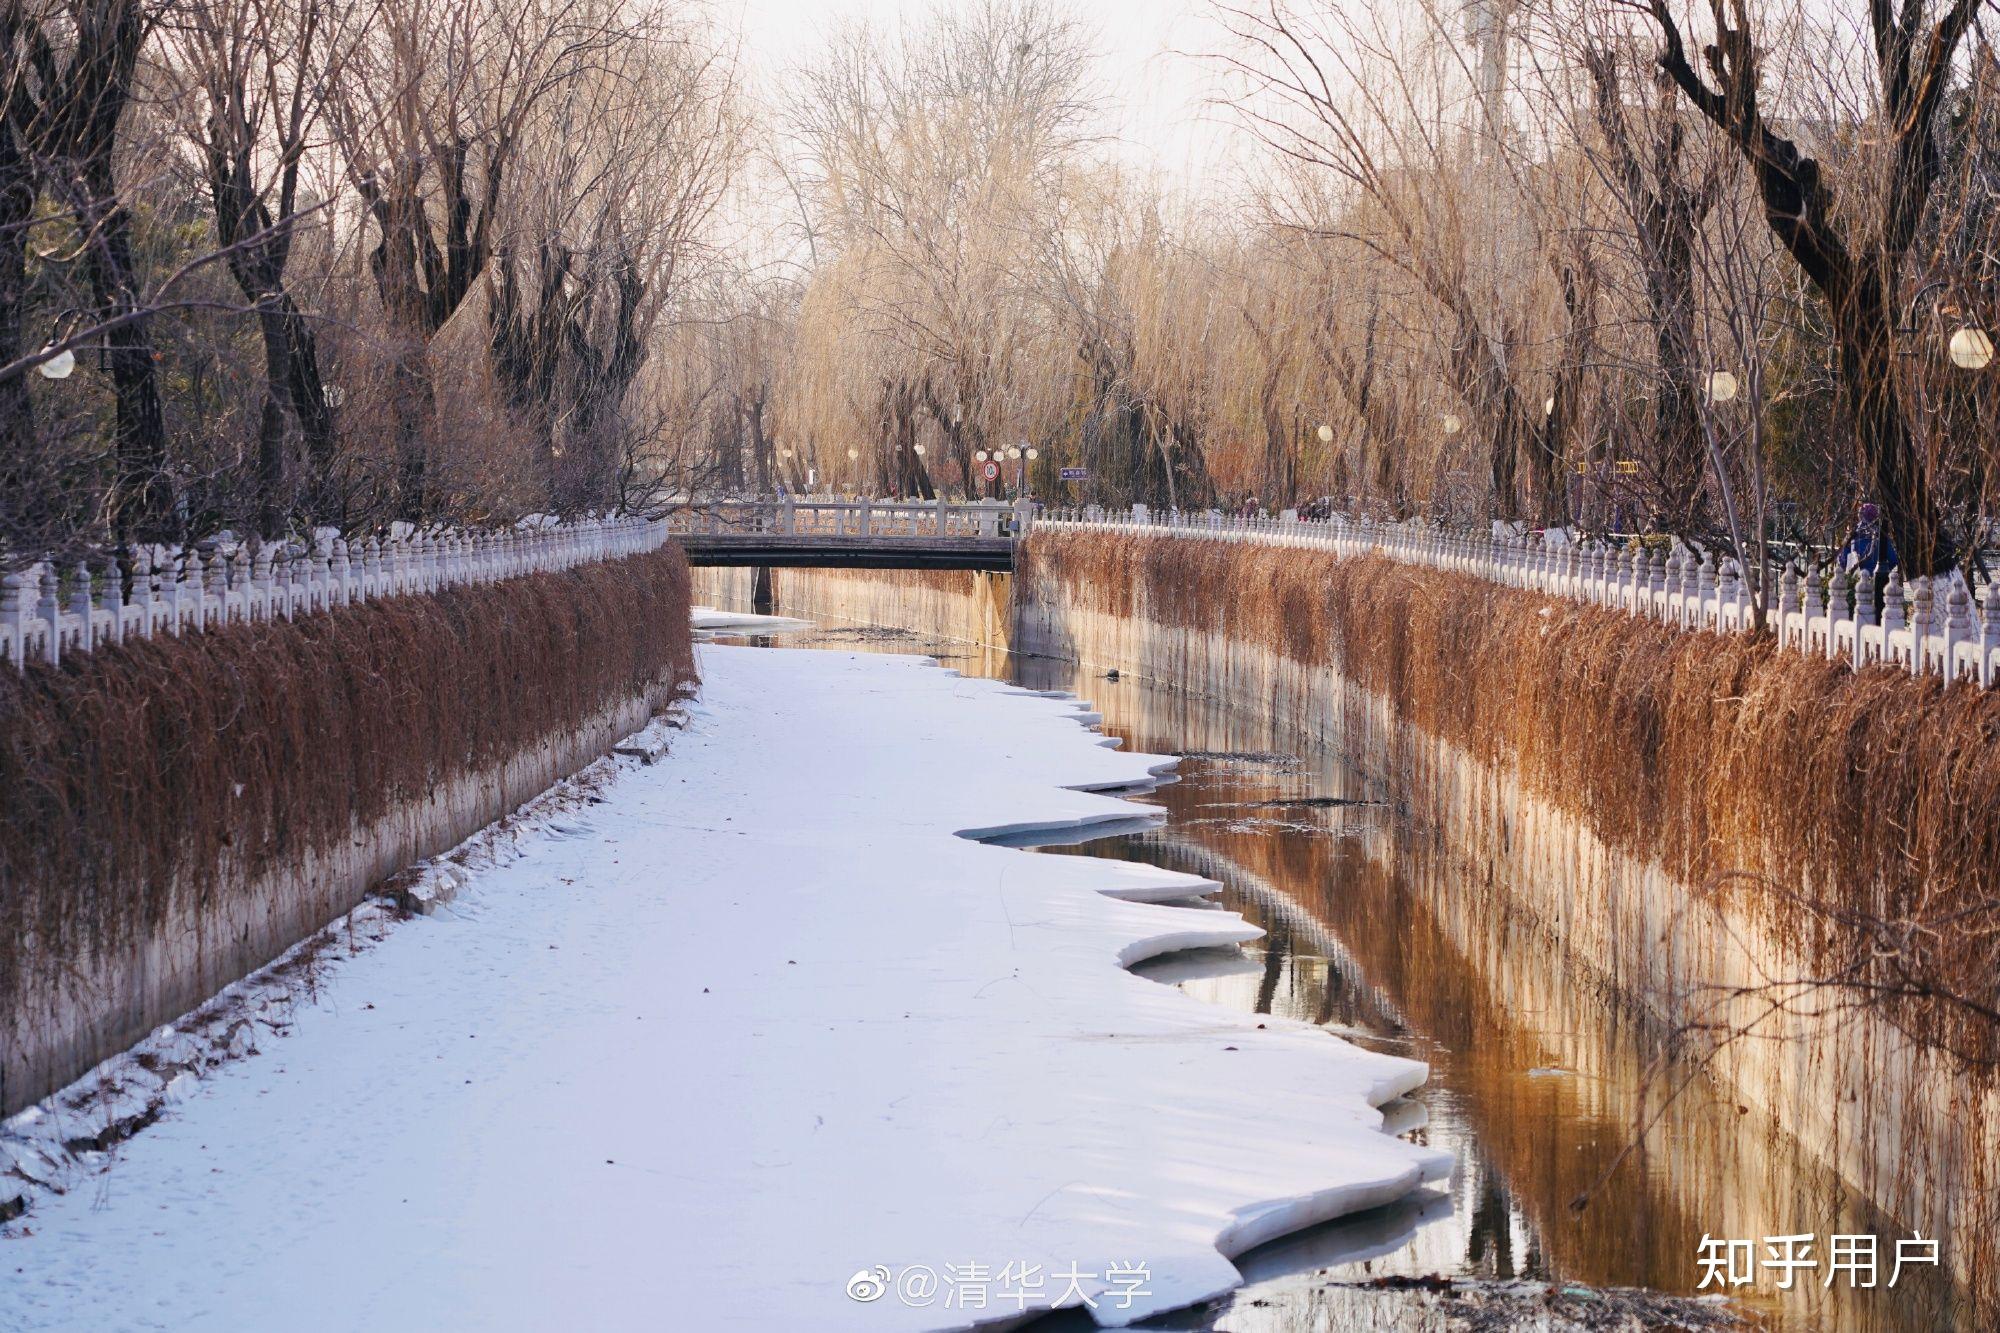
(1931, 626)
(47, 613)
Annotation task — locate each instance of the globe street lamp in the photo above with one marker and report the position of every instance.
(1971, 348)
(1722, 387)
(1325, 433)
(1452, 425)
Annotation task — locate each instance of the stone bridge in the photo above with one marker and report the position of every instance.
(852, 534)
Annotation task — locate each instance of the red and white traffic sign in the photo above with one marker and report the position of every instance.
(992, 471)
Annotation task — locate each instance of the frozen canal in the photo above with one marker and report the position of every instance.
(1374, 932)
(752, 1035)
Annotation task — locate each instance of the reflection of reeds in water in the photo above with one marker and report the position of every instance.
(1604, 772)
(963, 606)
(1548, 1078)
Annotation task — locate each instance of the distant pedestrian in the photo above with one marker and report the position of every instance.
(1869, 550)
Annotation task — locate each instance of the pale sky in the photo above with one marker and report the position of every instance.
(1155, 98)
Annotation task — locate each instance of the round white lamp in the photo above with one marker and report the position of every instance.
(1971, 349)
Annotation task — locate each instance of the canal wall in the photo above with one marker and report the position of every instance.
(970, 607)
(176, 812)
(1710, 829)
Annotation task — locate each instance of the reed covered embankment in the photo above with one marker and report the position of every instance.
(1793, 867)
(175, 812)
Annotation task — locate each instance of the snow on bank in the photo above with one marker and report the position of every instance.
(708, 620)
(754, 1025)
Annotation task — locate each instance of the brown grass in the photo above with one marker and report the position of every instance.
(137, 775)
(1862, 808)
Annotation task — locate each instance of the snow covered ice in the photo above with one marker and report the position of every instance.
(757, 1025)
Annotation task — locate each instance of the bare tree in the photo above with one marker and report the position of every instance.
(1343, 95)
(619, 172)
(936, 164)
(249, 77)
(69, 74)
(1856, 259)
(1664, 203)
(438, 104)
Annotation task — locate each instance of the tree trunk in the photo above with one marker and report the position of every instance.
(1504, 453)
(17, 203)
(142, 508)
(411, 389)
(1863, 331)
(1280, 465)
(307, 402)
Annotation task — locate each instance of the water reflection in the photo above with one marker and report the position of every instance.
(1374, 933)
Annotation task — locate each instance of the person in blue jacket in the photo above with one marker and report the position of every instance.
(1869, 550)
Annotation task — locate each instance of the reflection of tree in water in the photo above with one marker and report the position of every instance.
(1333, 989)
(1490, 1236)
(1388, 946)
(1277, 948)
(1491, 1231)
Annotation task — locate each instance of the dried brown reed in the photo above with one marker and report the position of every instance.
(1861, 810)
(132, 776)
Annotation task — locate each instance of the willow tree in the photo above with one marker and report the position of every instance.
(249, 79)
(437, 106)
(69, 71)
(1852, 238)
(1665, 191)
(1361, 99)
(617, 175)
(935, 161)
